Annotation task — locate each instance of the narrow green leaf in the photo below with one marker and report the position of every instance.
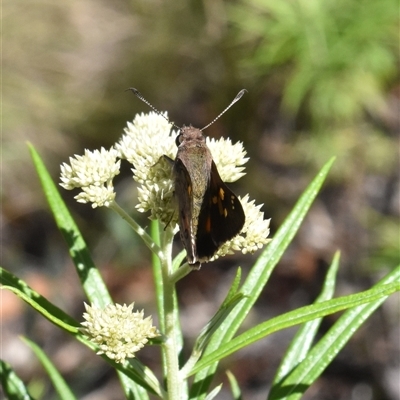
(63, 390)
(263, 267)
(207, 332)
(234, 287)
(178, 260)
(135, 392)
(214, 392)
(303, 339)
(13, 387)
(258, 277)
(236, 392)
(295, 317)
(321, 355)
(38, 302)
(137, 373)
(89, 275)
(216, 321)
(231, 300)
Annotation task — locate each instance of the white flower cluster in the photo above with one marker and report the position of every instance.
(144, 144)
(228, 158)
(117, 330)
(149, 145)
(93, 173)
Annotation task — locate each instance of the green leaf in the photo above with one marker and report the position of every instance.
(258, 277)
(236, 392)
(13, 387)
(178, 260)
(63, 390)
(133, 392)
(234, 288)
(214, 392)
(303, 339)
(216, 321)
(295, 317)
(89, 275)
(38, 302)
(321, 355)
(231, 300)
(137, 373)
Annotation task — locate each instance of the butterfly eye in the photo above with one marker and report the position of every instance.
(178, 140)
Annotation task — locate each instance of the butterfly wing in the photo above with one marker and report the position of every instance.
(183, 189)
(221, 217)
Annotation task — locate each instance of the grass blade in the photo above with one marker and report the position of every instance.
(89, 275)
(296, 317)
(13, 387)
(63, 390)
(303, 339)
(297, 382)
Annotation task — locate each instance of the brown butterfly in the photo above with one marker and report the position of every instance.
(209, 212)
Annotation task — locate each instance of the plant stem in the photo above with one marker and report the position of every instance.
(175, 387)
(137, 228)
(180, 273)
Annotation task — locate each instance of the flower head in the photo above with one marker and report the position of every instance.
(145, 142)
(93, 173)
(118, 331)
(228, 158)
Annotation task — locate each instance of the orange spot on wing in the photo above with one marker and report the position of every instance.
(208, 224)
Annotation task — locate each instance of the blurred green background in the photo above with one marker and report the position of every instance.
(322, 80)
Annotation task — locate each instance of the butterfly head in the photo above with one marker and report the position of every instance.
(189, 134)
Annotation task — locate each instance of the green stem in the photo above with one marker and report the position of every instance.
(180, 273)
(171, 345)
(137, 228)
(168, 313)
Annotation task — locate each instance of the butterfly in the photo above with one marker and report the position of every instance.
(210, 214)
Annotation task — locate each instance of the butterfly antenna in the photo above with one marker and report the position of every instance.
(140, 97)
(237, 98)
